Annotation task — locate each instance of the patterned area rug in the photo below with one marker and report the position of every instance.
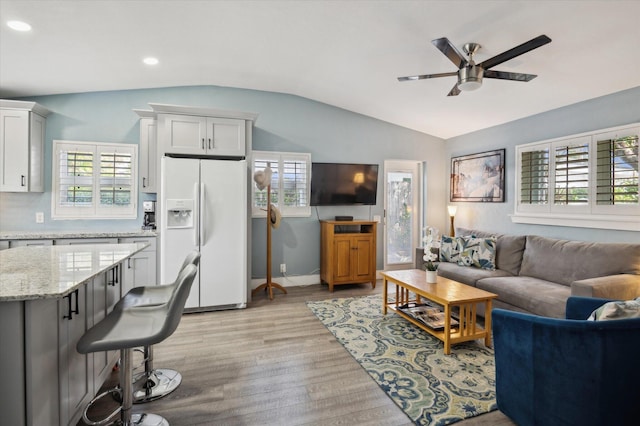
(409, 364)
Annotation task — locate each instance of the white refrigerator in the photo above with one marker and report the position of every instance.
(204, 207)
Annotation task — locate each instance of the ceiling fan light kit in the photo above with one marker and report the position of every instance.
(469, 73)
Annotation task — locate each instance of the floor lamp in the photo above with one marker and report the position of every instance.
(268, 285)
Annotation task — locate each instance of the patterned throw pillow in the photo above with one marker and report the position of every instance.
(478, 252)
(616, 310)
(450, 248)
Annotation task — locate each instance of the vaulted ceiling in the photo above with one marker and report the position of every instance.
(344, 53)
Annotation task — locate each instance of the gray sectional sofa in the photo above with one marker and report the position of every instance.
(537, 274)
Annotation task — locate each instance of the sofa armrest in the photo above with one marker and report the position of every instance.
(579, 308)
(556, 371)
(620, 287)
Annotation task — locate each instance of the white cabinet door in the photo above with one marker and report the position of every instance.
(225, 137)
(139, 269)
(106, 293)
(14, 150)
(76, 369)
(21, 151)
(148, 155)
(184, 134)
(191, 135)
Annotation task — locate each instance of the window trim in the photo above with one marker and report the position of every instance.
(279, 158)
(95, 211)
(592, 215)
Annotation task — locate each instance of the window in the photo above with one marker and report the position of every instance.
(587, 180)
(290, 183)
(94, 180)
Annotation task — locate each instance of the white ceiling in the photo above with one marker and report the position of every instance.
(343, 53)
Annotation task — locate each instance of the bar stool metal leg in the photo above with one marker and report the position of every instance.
(154, 383)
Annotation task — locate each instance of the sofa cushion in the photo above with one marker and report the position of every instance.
(509, 248)
(467, 275)
(564, 261)
(531, 294)
(617, 310)
(478, 252)
(450, 248)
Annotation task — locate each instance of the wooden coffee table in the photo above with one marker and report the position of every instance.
(411, 286)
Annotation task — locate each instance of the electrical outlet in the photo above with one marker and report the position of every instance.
(283, 267)
(39, 217)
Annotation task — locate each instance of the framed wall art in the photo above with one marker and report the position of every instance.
(478, 177)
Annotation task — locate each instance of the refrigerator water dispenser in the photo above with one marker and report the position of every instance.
(179, 213)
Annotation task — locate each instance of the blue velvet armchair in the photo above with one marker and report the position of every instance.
(567, 371)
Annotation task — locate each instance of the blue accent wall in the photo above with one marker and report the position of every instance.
(599, 113)
(285, 123)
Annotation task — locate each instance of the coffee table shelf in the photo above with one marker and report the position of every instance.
(411, 286)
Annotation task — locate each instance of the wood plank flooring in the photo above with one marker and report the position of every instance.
(273, 363)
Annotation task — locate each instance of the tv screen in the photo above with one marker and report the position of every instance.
(340, 184)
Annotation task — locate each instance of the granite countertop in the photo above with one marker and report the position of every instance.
(52, 235)
(45, 272)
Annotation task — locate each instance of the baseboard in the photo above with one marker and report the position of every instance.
(289, 281)
(295, 280)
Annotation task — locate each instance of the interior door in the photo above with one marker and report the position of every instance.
(402, 192)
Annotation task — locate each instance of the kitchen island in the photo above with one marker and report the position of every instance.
(49, 297)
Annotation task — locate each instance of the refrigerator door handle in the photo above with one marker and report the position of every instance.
(196, 219)
(203, 215)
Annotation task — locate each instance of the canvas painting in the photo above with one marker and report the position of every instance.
(478, 177)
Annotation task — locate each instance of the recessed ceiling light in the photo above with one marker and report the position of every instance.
(19, 26)
(150, 61)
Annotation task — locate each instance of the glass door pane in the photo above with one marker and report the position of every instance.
(402, 185)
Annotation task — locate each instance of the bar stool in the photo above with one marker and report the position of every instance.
(128, 328)
(154, 383)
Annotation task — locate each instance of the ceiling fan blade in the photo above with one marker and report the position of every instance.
(516, 51)
(454, 91)
(444, 45)
(505, 75)
(425, 76)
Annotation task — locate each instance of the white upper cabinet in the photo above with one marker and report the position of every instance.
(148, 155)
(22, 131)
(192, 135)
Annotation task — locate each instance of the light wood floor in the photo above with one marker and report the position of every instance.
(273, 363)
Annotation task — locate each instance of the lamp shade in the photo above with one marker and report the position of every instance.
(452, 210)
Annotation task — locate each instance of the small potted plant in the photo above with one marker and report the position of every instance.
(431, 245)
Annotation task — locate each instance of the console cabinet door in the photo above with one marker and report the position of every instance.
(140, 269)
(342, 255)
(363, 250)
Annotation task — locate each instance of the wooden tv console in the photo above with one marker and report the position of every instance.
(348, 252)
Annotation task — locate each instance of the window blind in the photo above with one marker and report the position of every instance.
(617, 171)
(572, 174)
(294, 182)
(115, 178)
(76, 178)
(534, 177)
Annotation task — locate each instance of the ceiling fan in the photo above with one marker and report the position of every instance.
(469, 73)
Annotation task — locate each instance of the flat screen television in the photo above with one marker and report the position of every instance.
(341, 184)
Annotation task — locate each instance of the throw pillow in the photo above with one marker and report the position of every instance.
(450, 248)
(478, 252)
(616, 310)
